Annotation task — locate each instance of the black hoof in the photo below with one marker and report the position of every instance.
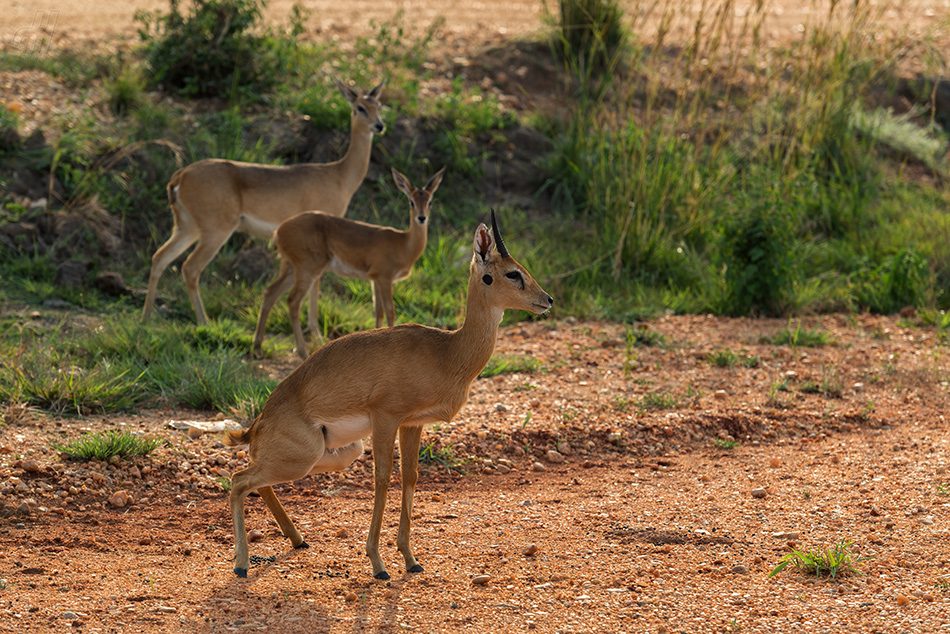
(302, 545)
(381, 575)
(416, 568)
(241, 572)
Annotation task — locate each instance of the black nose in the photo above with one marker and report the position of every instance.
(422, 220)
(550, 301)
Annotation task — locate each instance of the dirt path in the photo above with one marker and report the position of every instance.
(620, 489)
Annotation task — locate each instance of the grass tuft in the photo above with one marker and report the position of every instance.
(105, 445)
(834, 561)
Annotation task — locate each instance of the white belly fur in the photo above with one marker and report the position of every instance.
(343, 270)
(343, 431)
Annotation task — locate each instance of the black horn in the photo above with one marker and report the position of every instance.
(499, 243)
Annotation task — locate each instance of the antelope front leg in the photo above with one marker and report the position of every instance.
(384, 438)
(409, 465)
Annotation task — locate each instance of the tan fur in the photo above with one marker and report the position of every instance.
(396, 380)
(213, 198)
(313, 242)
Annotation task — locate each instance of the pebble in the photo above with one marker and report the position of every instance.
(145, 541)
(787, 535)
(740, 569)
(166, 609)
(902, 600)
(554, 457)
(31, 466)
(120, 499)
(927, 521)
(499, 407)
(350, 597)
(537, 466)
(720, 395)
(531, 550)
(255, 536)
(759, 492)
(480, 580)
(343, 533)
(775, 462)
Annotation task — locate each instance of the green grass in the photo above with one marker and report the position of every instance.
(833, 561)
(725, 358)
(105, 445)
(505, 364)
(725, 443)
(799, 336)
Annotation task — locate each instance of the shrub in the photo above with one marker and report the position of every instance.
(211, 51)
(591, 33)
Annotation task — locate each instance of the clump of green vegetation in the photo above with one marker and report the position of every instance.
(443, 456)
(799, 336)
(105, 445)
(590, 33)
(726, 358)
(217, 48)
(830, 384)
(834, 561)
(504, 364)
(726, 443)
(659, 400)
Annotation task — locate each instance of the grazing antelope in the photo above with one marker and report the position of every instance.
(313, 242)
(213, 198)
(380, 383)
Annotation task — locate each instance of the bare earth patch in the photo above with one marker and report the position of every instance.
(617, 488)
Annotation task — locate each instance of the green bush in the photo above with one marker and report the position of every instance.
(758, 257)
(590, 33)
(213, 51)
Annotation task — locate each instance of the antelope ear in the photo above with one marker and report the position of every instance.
(483, 243)
(346, 91)
(376, 92)
(435, 181)
(402, 182)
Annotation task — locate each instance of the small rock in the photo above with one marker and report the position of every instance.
(875, 512)
(740, 569)
(720, 395)
(554, 457)
(775, 462)
(927, 521)
(531, 550)
(31, 466)
(350, 597)
(436, 497)
(565, 449)
(343, 533)
(255, 536)
(166, 609)
(69, 616)
(759, 493)
(902, 600)
(858, 387)
(480, 580)
(668, 432)
(787, 535)
(499, 407)
(145, 541)
(537, 466)
(120, 499)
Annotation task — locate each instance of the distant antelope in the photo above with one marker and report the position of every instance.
(313, 242)
(213, 198)
(380, 383)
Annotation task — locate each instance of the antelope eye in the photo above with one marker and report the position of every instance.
(487, 279)
(514, 275)
(361, 109)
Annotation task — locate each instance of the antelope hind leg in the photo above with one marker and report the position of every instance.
(409, 465)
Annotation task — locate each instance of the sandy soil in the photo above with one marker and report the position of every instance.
(618, 488)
